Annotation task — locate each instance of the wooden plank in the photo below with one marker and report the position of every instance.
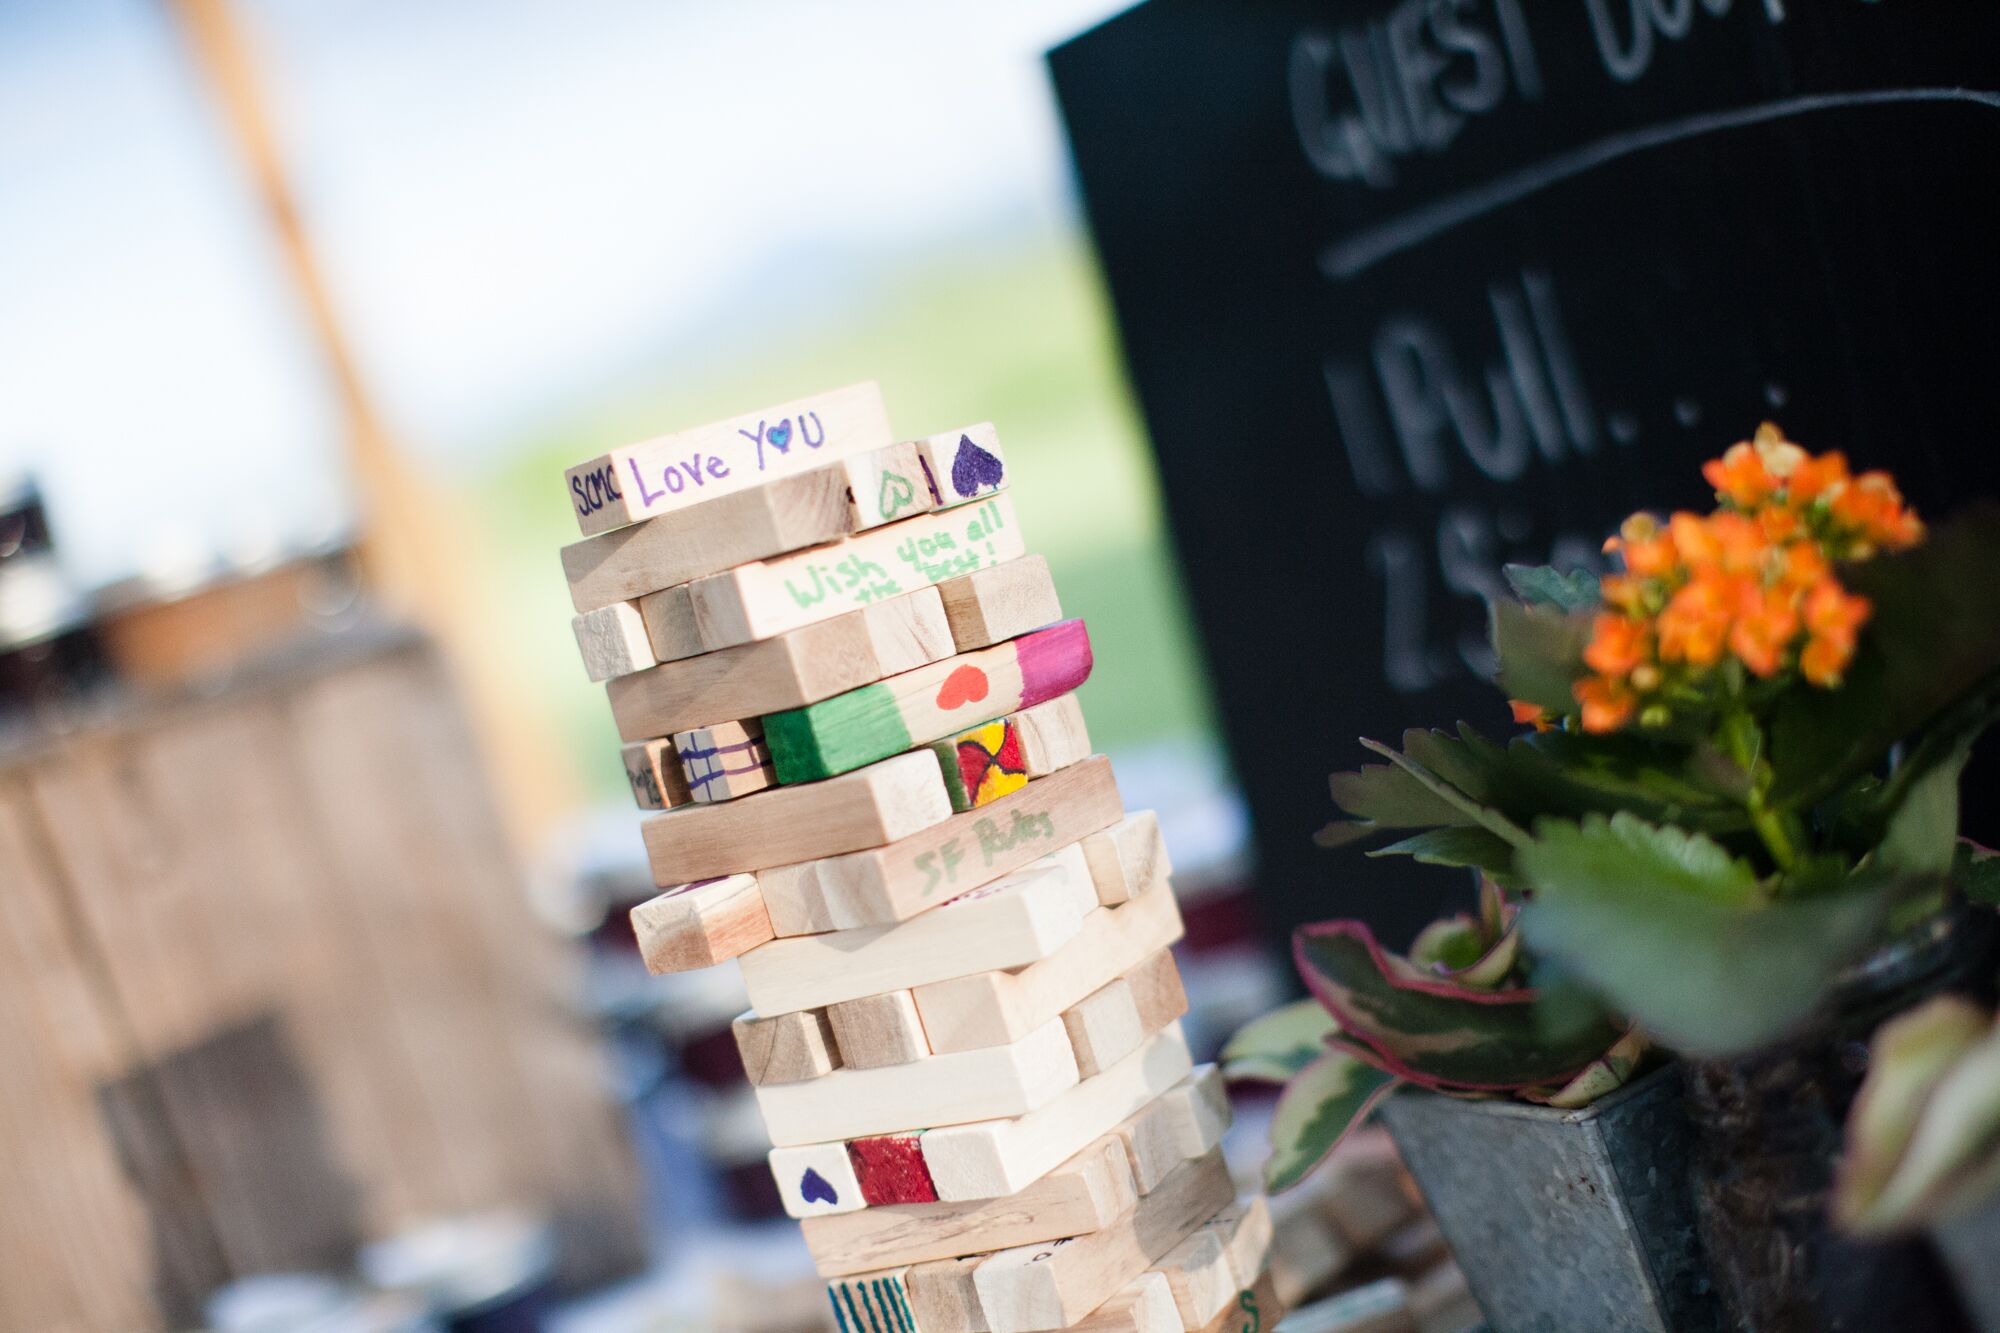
(927, 704)
(1246, 1233)
(942, 1297)
(724, 761)
(816, 1180)
(791, 670)
(770, 597)
(1143, 1305)
(1090, 1190)
(1198, 1272)
(884, 485)
(701, 923)
(653, 770)
(612, 640)
(1109, 1024)
(896, 882)
(1306, 1250)
(963, 465)
(783, 515)
(995, 1007)
(998, 758)
(673, 472)
(670, 624)
(937, 1090)
(1002, 602)
(1011, 922)
(997, 1157)
(1127, 857)
(866, 808)
(1188, 1120)
(892, 1170)
(787, 1048)
(874, 1303)
(1048, 1286)
(878, 1030)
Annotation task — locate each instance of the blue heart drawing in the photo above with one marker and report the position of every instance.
(813, 1188)
(780, 435)
(975, 469)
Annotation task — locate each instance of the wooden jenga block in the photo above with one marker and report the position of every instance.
(675, 471)
(996, 1007)
(794, 669)
(700, 924)
(1053, 735)
(1028, 915)
(654, 772)
(942, 1296)
(996, 759)
(1036, 1287)
(1108, 1024)
(896, 882)
(996, 1157)
(1143, 1305)
(1003, 602)
(1188, 1120)
(1127, 857)
(1245, 1233)
(937, 1090)
(770, 597)
(884, 485)
(1306, 1250)
(928, 704)
(1197, 1270)
(1379, 1307)
(725, 761)
(816, 1180)
(874, 1303)
(892, 1170)
(612, 640)
(789, 1048)
(963, 465)
(1089, 1191)
(670, 629)
(878, 1030)
(787, 514)
(1258, 1308)
(869, 807)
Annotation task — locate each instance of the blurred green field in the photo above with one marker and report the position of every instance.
(1023, 339)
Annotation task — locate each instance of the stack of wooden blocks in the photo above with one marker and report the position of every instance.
(847, 687)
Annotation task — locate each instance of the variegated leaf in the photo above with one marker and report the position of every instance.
(1329, 1097)
(1277, 1046)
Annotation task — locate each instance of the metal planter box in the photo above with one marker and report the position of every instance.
(1565, 1220)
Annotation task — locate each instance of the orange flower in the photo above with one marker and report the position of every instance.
(1872, 505)
(1623, 592)
(1816, 477)
(1766, 623)
(1834, 618)
(1617, 645)
(1739, 476)
(1527, 713)
(1695, 624)
(1607, 704)
(1648, 551)
(1804, 566)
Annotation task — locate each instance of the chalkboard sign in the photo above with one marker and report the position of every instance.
(1412, 290)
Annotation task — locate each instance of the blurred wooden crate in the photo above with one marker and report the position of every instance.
(269, 983)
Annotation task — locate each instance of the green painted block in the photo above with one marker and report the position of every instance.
(836, 735)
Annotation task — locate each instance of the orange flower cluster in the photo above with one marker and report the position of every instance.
(1752, 581)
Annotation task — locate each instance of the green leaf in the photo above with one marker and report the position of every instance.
(1544, 585)
(1388, 796)
(1906, 1061)
(1933, 640)
(1452, 795)
(1273, 1048)
(1605, 1075)
(1430, 1030)
(1921, 834)
(1329, 1097)
(1976, 871)
(1668, 927)
(1475, 847)
(1956, 1142)
(1541, 653)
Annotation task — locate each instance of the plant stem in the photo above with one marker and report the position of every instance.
(1770, 826)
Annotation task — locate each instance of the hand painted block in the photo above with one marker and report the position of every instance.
(884, 485)
(772, 597)
(724, 761)
(842, 733)
(982, 765)
(891, 1170)
(816, 1180)
(873, 1303)
(963, 465)
(674, 471)
(655, 775)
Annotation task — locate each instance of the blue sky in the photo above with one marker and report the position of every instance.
(515, 202)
